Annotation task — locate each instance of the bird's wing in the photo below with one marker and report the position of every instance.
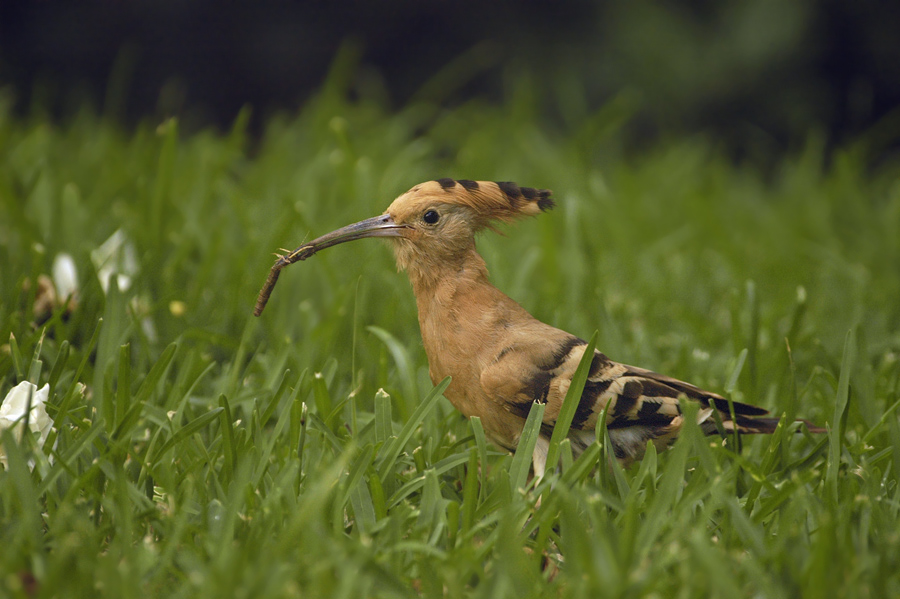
(643, 405)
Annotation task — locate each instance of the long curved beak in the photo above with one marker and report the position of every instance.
(379, 226)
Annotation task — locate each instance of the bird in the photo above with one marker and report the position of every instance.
(501, 359)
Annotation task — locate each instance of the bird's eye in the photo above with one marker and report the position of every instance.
(431, 217)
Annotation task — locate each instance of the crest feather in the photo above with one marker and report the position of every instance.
(490, 200)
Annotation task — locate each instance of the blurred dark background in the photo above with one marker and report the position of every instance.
(760, 73)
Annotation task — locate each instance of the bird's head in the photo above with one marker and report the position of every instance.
(436, 221)
(433, 225)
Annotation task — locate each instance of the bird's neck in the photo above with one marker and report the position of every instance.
(451, 286)
(463, 319)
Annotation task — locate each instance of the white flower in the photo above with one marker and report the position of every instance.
(65, 276)
(115, 257)
(12, 414)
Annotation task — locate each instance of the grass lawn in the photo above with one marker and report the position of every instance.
(200, 452)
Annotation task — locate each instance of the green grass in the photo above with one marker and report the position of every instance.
(203, 452)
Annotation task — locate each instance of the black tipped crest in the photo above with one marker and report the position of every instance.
(511, 190)
(545, 203)
(518, 200)
(515, 194)
(520, 196)
(488, 202)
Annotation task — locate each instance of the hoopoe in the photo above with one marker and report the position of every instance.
(502, 359)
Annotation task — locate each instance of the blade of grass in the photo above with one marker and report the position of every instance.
(62, 414)
(481, 444)
(29, 513)
(357, 470)
(404, 366)
(34, 368)
(363, 508)
(439, 468)
(184, 432)
(387, 456)
(582, 466)
(62, 356)
(227, 440)
(570, 403)
(470, 491)
(66, 461)
(769, 463)
(752, 336)
(881, 422)
(123, 384)
(17, 360)
(521, 462)
(836, 434)
(383, 423)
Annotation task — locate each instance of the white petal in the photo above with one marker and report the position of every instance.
(65, 275)
(16, 401)
(12, 413)
(115, 256)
